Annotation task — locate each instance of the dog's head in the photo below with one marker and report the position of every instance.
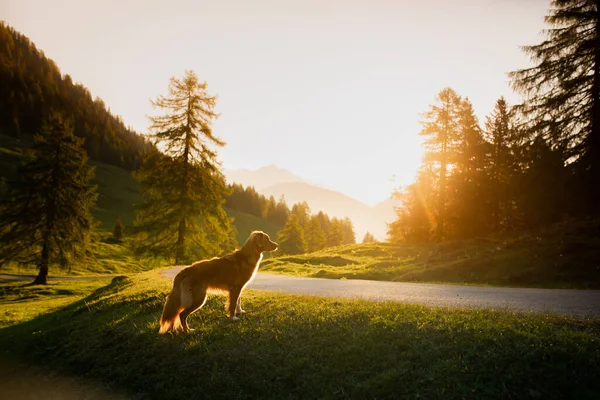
(262, 242)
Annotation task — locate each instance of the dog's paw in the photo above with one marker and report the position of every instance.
(241, 311)
(234, 318)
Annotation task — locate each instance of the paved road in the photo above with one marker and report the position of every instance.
(579, 303)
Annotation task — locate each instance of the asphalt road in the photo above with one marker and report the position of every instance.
(578, 303)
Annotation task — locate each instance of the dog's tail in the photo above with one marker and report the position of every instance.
(169, 320)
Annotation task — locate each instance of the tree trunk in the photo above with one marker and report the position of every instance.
(42, 278)
(594, 137)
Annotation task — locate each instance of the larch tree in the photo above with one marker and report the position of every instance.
(45, 215)
(183, 189)
(441, 129)
(562, 90)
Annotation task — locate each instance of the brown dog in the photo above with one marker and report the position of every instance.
(226, 275)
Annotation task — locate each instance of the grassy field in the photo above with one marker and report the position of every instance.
(21, 303)
(289, 347)
(565, 255)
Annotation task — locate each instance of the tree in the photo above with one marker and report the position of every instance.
(117, 232)
(291, 237)
(302, 211)
(315, 237)
(562, 91)
(335, 236)
(45, 215)
(500, 134)
(183, 190)
(441, 129)
(369, 238)
(348, 228)
(415, 220)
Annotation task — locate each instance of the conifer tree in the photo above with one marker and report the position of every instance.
(369, 238)
(441, 127)
(315, 237)
(183, 190)
(348, 228)
(335, 236)
(291, 237)
(562, 91)
(45, 215)
(499, 133)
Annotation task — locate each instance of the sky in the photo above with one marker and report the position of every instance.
(331, 90)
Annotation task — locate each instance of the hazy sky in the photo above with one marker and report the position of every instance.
(329, 89)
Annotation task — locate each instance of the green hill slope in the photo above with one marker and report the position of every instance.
(118, 193)
(564, 255)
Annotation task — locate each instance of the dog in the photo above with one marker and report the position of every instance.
(227, 275)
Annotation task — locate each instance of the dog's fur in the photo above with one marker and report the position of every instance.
(226, 275)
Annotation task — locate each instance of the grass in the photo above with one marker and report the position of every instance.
(20, 302)
(291, 347)
(562, 256)
(103, 258)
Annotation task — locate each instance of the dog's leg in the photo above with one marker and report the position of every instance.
(199, 300)
(234, 295)
(238, 307)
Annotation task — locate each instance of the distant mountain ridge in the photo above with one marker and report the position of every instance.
(275, 181)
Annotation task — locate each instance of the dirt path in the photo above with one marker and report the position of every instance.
(577, 303)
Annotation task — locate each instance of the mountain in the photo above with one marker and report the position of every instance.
(32, 86)
(262, 177)
(275, 181)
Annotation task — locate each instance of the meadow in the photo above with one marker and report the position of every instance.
(290, 346)
(563, 255)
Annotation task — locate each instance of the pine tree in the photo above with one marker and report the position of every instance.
(441, 127)
(315, 237)
(183, 190)
(117, 233)
(45, 215)
(562, 91)
(291, 237)
(369, 238)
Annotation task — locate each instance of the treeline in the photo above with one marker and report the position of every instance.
(249, 201)
(302, 231)
(32, 87)
(305, 232)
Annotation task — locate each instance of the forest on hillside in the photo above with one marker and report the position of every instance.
(32, 86)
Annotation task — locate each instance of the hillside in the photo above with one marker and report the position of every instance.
(561, 256)
(32, 85)
(118, 193)
(275, 181)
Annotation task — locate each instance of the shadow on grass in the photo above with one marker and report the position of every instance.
(290, 347)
